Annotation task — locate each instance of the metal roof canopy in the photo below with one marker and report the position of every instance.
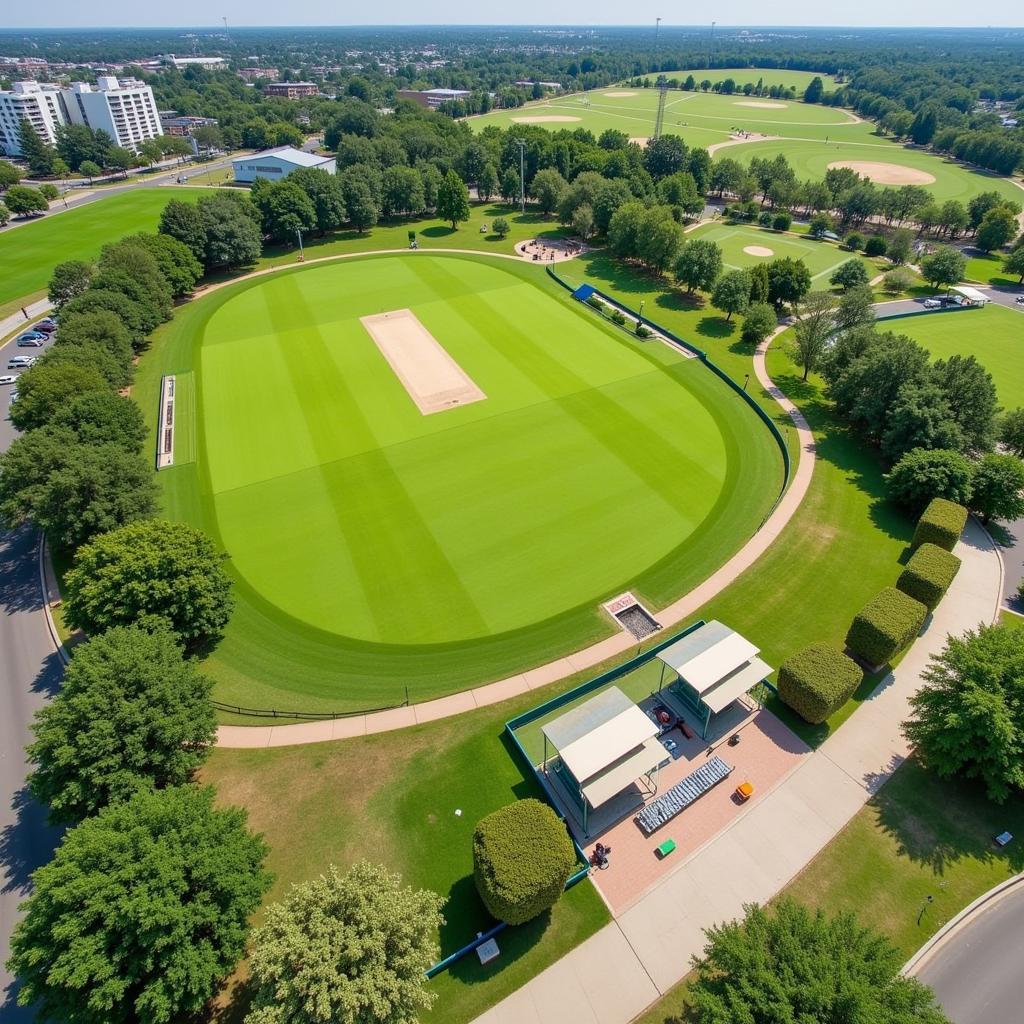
(600, 734)
(707, 655)
(970, 293)
(616, 777)
(734, 685)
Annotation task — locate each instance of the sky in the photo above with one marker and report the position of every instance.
(74, 13)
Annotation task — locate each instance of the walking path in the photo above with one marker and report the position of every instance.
(239, 736)
(620, 971)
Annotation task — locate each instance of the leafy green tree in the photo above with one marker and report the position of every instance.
(117, 372)
(699, 264)
(453, 200)
(998, 487)
(658, 238)
(680, 191)
(135, 317)
(901, 246)
(487, 182)
(607, 199)
(500, 226)
(68, 280)
(897, 281)
(850, 274)
(758, 322)
(665, 156)
(150, 568)
(39, 156)
(131, 714)
(789, 281)
(854, 241)
(923, 474)
(9, 174)
(1011, 430)
(174, 259)
(547, 188)
(184, 221)
(980, 204)
(120, 159)
(968, 717)
(286, 210)
(49, 192)
(509, 189)
(944, 267)
(101, 417)
(971, 394)
(22, 200)
(953, 218)
(5, 215)
(854, 310)
(142, 911)
(583, 222)
(813, 330)
(231, 235)
(997, 228)
(44, 389)
(794, 964)
(920, 417)
(814, 91)
(1014, 263)
(624, 229)
(341, 943)
(363, 211)
(402, 191)
(732, 293)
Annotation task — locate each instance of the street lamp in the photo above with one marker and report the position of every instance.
(746, 381)
(302, 256)
(640, 318)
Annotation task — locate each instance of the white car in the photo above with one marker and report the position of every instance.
(19, 362)
(932, 303)
(8, 379)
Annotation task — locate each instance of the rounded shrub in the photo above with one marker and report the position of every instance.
(928, 574)
(941, 523)
(782, 222)
(876, 245)
(522, 858)
(818, 681)
(885, 625)
(764, 218)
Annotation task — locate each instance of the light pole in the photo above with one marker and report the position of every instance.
(640, 318)
(521, 143)
(302, 256)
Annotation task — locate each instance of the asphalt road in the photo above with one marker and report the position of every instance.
(977, 975)
(30, 671)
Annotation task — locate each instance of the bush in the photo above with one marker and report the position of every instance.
(782, 222)
(854, 241)
(928, 574)
(818, 681)
(885, 625)
(642, 331)
(941, 523)
(764, 218)
(595, 301)
(618, 317)
(926, 473)
(522, 858)
(500, 226)
(876, 245)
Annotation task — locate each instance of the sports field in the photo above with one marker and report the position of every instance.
(995, 335)
(744, 246)
(376, 545)
(785, 77)
(29, 253)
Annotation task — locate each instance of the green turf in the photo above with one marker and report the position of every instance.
(988, 269)
(995, 335)
(29, 254)
(365, 533)
(741, 76)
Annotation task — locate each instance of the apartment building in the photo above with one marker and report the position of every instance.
(124, 108)
(38, 104)
(291, 90)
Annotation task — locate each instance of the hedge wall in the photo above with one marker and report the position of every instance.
(941, 523)
(817, 681)
(522, 858)
(928, 574)
(885, 625)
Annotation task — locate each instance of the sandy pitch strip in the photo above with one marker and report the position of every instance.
(618, 95)
(739, 140)
(434, 380)
(546, 119)
(640, 140)
(761, 105)
(758, 250)
(887, 174)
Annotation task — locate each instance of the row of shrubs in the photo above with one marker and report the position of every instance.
(616, 315)
(818, 680)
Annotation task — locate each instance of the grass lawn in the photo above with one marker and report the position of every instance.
(393, 798)
(995, 335)
(741, 76)
(30, 253)
(920, 837)
(988, 269)
(374, 546)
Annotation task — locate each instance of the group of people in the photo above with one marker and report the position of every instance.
(540, 252)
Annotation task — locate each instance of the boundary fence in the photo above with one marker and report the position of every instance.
(926, 312)
(235, 709)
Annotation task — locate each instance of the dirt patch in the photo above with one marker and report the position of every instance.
(739, 140)
(886, 174)
(758, 250)
(761, 104)
(640, 140)
(546, 119)
(618, 95)
(434, 380)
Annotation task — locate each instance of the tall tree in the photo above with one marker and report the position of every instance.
(39, 155)
(945, 267)
(547, 188)
(698, 265)
(732, 293)
(813, 329)
(44, 389)
(142, 911)
(341, 943)
(453, 200)
(998, 490)
(68, 280)
(131, 714)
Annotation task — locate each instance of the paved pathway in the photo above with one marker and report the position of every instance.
(236, 736)
(623, 968)
(16, 321)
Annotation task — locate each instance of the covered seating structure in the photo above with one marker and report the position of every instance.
(711, 667)
(603, 748)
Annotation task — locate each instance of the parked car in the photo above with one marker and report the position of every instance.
(30, 341)
(8, 378)
(932, 303)
(20, 362)
(45, 327)
(1019, 300)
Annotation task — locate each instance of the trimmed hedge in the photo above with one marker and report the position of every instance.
(818, 681)
(941, 523)
(928, 574)
(885, 625)
(522, 858)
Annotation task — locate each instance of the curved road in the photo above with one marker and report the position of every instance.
(30, 671)
(977, 974)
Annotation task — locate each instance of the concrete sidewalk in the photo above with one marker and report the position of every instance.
(609, 980)
(16, 321)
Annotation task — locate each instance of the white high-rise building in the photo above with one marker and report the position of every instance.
(124, 109)
(38, 104)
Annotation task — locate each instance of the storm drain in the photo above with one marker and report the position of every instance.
(631, 615)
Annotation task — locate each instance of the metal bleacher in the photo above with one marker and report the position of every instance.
(675, 800)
